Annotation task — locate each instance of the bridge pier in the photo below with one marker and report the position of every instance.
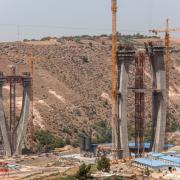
(14, 132)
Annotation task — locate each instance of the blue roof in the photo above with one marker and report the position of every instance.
(132, 145)
(151, 163)
(146, 145)
(171, 159)
(12, 166)
(155, 154)
(172, 152)
(176, 155)
(168, 145)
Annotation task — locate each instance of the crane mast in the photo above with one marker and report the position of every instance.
(167, 62)
(31, 70)
(114, 100)
(116, 147)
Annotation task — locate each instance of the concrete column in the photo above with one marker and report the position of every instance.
(123, 108)
(125, 58)
(3, 125)
(116, 146)
(155, 108)
(158, 145)
(23, 123)
(158, 98)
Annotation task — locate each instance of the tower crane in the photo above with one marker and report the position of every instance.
(31, 62)
(114, 47)
(116, 147)
(167, 32)
(31, 70)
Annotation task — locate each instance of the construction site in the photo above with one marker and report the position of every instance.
(91, 106)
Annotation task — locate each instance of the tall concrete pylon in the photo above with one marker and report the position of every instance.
(125, 57)
(3, 123)
(23, 122)
(156, 57)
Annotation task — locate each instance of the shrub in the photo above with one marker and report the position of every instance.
(174, 126)
(68, 141)
(34, 40)
(75, 130)
(63, 178)
(83, 171)
(147, 172)
(84, 59)
(77, 40)
(103, 164)
(104, 133)
(103, 43)
(25, 40)
(45, 38)
(47, 142)
(66, 130)
(90, 44)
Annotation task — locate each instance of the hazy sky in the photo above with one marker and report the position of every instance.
(39, 18)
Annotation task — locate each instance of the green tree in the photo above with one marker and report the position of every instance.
(83, 172)
(104, 132)
(47, 141)
(103, 164)
(174, 126)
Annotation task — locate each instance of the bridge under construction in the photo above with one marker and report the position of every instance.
(13, 130)
(125, 57)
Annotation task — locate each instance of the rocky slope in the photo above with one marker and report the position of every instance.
(72, 83)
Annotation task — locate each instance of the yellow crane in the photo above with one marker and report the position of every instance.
(167, 32)
(114, 56)
(31, 70)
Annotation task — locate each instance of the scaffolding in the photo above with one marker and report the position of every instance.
(139, 104)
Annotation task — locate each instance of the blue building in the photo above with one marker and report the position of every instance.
(158, 161)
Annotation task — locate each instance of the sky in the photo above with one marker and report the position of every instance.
(34, 19)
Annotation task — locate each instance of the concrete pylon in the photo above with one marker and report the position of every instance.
(20, 127)
(158, 97)
(3, 125)
(125, 58)
(23, 123)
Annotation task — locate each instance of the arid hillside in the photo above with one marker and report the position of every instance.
(72, 83)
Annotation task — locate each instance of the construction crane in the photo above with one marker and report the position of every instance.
(167, 32)
(114, 93)
(31, 62)
(31, 70)
(114, 11)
